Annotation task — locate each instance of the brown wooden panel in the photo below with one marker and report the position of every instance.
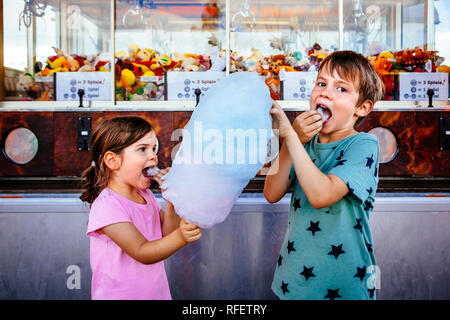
(430, 160)
(42, 126)
(71, 162)
(401, 123)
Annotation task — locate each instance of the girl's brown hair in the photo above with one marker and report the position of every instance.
(356, 68)
(111, 135)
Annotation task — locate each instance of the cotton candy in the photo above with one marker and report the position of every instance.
(225, 144)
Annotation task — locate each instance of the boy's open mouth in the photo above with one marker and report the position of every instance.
(324, 112)
(150, 172)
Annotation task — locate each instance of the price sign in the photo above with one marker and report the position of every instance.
(414, 85)
(298, 85)
(181, 85)
(96, 86)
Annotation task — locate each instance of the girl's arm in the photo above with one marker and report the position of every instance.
(321, 190)
(130, 240)
(169, 218)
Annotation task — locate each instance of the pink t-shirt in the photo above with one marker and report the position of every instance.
(116, 275)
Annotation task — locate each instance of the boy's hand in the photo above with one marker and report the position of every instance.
(162, 172)
(280, 121)
(307, 125)
(190, 232)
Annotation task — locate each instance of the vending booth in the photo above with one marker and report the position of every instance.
(65, 66)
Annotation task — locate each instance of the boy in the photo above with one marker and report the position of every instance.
(327, 251)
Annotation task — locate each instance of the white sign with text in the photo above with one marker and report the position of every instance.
(181, 85)
(96, 86)
(414, 85)
(298, 85)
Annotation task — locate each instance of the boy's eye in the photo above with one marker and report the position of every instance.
(321, 84)
(341, 89)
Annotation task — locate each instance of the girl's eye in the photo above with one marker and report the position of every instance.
(154, 149)
(142, 149)
(341, 89)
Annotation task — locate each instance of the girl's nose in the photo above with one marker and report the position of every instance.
(152, 155)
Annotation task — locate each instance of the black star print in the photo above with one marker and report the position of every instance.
(369, 247)
(314, 161)
(307, 272)
(333, 294)
(358, 225)
(314, 227)
(340, 155)
(369, 191)
(376, 171)
(296, 204)
(280, 258)
(351, 190)
(340, 163)
(290, 247)
(369, 161)
(360, 273)
(336, 251)
(328, 211)
(284, 287)
(371, 292)
(367, 205)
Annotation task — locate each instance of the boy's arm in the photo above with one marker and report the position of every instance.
(277, 179)
(321, 190)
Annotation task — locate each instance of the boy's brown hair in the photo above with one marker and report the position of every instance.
(352, 66)
(111, 135)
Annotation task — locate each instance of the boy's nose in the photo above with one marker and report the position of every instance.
(325, 93)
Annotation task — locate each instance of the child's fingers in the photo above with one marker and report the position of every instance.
(193, 236)
(310, 116)
(187, 225)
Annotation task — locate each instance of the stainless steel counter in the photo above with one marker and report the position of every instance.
(44, 253)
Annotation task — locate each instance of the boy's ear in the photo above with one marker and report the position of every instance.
(112, 160)
(364, 109)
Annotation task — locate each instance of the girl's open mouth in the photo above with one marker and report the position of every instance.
(324, 112)
(150, 172)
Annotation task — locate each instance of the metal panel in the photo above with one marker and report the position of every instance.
(42, 236)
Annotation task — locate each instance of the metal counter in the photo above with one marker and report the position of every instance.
(44, 252)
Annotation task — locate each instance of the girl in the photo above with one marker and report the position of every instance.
(130, 235)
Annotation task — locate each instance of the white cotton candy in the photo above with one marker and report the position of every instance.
(224, 146)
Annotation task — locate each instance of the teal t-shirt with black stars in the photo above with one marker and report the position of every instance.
(328, 253)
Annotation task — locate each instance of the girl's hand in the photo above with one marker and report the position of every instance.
(307, 125)
(280, 121)
(190, 232)
(159, 176)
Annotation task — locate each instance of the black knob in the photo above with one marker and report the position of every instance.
(81, 94)
(197, 93)
(430, 94)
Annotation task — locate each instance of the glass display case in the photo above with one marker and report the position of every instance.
(151, 53)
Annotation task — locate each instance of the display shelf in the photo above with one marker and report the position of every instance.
(56, 106)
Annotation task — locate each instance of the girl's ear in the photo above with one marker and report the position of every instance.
(364, 109)
(112, 160)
